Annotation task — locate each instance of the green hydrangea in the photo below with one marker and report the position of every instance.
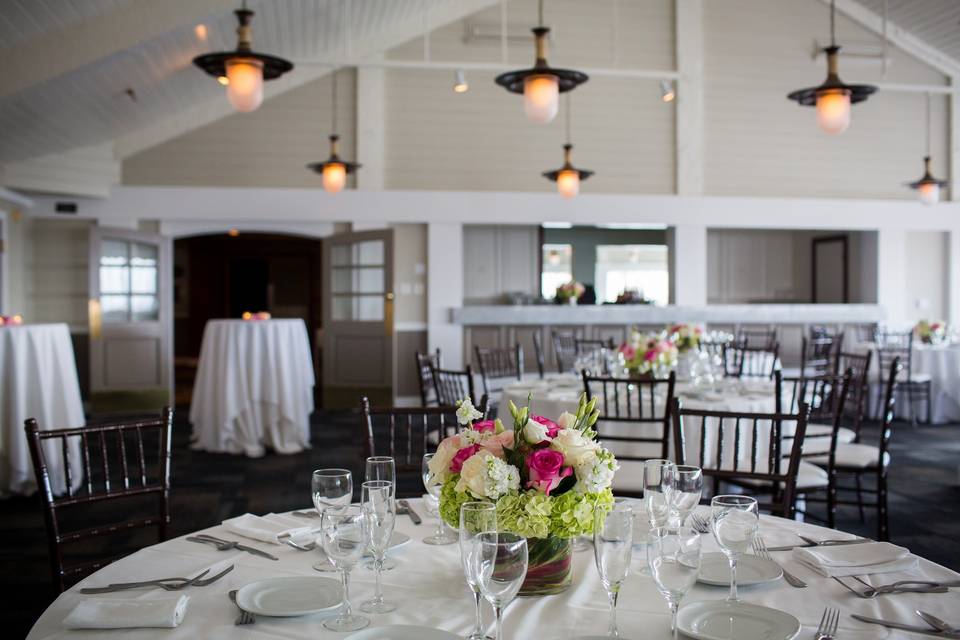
(451, 501)
(573, 513)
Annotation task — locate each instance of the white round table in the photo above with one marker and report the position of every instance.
(254, 387)
(942, 364)
(428, 587)
(38, 379)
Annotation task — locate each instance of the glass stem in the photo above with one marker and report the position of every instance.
(498, 610)
(478, 628)
(378, 585)
(345, 610)
(733, 579)
(674, 607)
(612, 627)
(439, 526)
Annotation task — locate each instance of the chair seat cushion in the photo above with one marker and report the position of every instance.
(854, 456)
(809, 476)
(846, 436)
(843, 434)
(921, 378)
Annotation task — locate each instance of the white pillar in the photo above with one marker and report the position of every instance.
(689, 120)
(370, 128)
(445, 290)
(953, 277)
(892, 275)
(688, 264)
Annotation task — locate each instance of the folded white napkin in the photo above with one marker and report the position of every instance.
(855, 559)
(266, 528)
(115, 613)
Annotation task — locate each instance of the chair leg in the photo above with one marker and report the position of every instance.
(883, 525)
(832, 502)
(910, 401)
(860, 498)
(929, 390)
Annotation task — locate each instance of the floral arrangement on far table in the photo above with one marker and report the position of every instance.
(547, 478)
(259, 315)
(648, 353)
(570, 291)
(685, 336)
(11, 320)
(931, 332)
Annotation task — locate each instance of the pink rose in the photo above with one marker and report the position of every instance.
(629, 353)
(485, 425)
(650, 355)
(546, 470)
(461, 456)
(552, 427)
(495, 444)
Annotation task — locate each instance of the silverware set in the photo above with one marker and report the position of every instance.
(226, 545)
(167, 584)
(760, 550)
(245, 617)
(902, 586)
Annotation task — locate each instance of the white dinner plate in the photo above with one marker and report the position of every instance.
(720, 620)
(292, 596)
(402, 632)
(715, 570)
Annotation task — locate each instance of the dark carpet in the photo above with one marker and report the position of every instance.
(207, 488)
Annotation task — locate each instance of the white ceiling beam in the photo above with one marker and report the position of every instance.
(431, 65)
(56, 53)
(85, 171)
(689, 97)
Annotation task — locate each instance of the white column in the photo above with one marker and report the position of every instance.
(689, 120)
(445, 290)
(892, 275)
(370, 128)
(953, 139)
(953, 277)
(688, 264)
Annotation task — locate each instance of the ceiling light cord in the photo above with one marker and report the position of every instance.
(568, 117)
(833, 23)
(333, 95)
(928, 125)
(540, 12)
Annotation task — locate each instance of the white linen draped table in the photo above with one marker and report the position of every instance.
(428, 587)
(38, 379)
(254, 387)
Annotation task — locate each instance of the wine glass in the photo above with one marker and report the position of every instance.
(475, 518)
(685, 492)
(330, 489)
(381, 468)
(345, 536)
(613, 550)
(377, 502)
(641, 534)
(442, 536)
(674, 559)
(735, 523)
(657, 483)
(501, 566)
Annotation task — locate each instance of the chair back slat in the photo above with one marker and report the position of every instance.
(743, 361)
(757, 337)
(424, 362)
(538, 352)
(564, 350)
(498, 363)
(889, 403)
(452, 385)
(891, 346)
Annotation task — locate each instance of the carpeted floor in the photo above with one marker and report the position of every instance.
(207, 488)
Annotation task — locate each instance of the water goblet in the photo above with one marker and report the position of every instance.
(685, 492)
(642, 531)
(476, 518)
(432, 502)
(613, 551)
(735, 524)
(377, 502)
(330, 489)
(381, 468)
(345, 537)
(657, 484)
(674, 559)
(501, 566)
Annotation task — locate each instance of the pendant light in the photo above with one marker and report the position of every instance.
(541, 85)
(568, 177)
(244, 70)
(833, 98)
(333, 169)
(928, 188)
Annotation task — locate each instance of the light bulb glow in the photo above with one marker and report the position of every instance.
(541, 98)
(568, 183)
(929, 193)
(334, 177)
(224, 80)
(245, 86)
(460, 84)
(833, 110)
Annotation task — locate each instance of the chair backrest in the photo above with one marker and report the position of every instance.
(825, 397)
(564, 350)
(584, 345)
(538, 352)
(894, 345)
(428, 393)
(889, 401)
(118, 463)
(499, 362)
(743, 361)
(858, 364)
(818, 353)
(641, 406)
(452, 385)
(713, 346)
(867, 332)
(726, 438)
(757, 337)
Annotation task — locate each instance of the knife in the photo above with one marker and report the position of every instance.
(409, 511)
(934, 621)
(814, 543)
(908, 627)
(223, 545)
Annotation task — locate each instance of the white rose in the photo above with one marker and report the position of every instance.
(486, 476)
(576, 449)
(534, 432)
(567, 420)
(439, 464)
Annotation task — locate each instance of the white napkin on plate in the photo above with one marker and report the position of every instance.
(114, 613)
(855, 559)
(266, 528)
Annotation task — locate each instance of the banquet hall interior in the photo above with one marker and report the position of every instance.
(247, 243)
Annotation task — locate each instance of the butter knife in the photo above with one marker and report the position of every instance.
(814, 543)
(908, 627)
(409, 511)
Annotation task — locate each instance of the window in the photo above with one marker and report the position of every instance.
(557, 268)
(128, 281)
(639, 267)
(358, 281)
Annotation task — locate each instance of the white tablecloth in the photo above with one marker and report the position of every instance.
(428, 586)
(38, 379)
(254, 387)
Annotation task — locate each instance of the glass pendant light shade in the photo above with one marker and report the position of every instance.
(929, 193)
(568, 183)
(334, 177)
(541, 98)
(833, 110)
(245, 83)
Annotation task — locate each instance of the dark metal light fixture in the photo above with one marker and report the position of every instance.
(243, 71)
(541, 85)
(334, 170)
(568, 177)
(928, 188)
(834, 97)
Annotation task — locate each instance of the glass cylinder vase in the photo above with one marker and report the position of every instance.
(549, 566)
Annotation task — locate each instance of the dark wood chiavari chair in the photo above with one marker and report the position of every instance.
(757, 337)
(898, 345)
(428, 394)
(452, 385)
(819, 354)
(499, 363)
(538, 352)
(634, 423)
(584, 345)
(858, 364)
(564, 350)
(765, 468)
(121, 464)
(743, 361)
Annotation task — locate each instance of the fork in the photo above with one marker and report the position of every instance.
(310, 546)
(700, 523)
(873, 593)
(828, 624)
(901, 585)
(760, 549)
(181, 583)
(245, 617)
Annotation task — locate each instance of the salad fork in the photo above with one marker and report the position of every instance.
(760, 550)
(700, 524)
(828, 624)
(245, 616)
(169, 584)
(872, 593)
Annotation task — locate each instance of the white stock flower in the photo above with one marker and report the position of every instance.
(439, 464)
(596, 474)
(576, 448)
(534, 432)
(486, 476)
(466, 412)
(567, 420)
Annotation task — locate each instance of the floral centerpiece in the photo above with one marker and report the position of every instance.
(570, 291)
(646, 354)
(259, 315)
(11, 320)
(685, 337)
(547, 478)
(931, 332)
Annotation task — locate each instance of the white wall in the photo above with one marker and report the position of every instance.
(499, 260)
(57, 272)
(926, 274)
